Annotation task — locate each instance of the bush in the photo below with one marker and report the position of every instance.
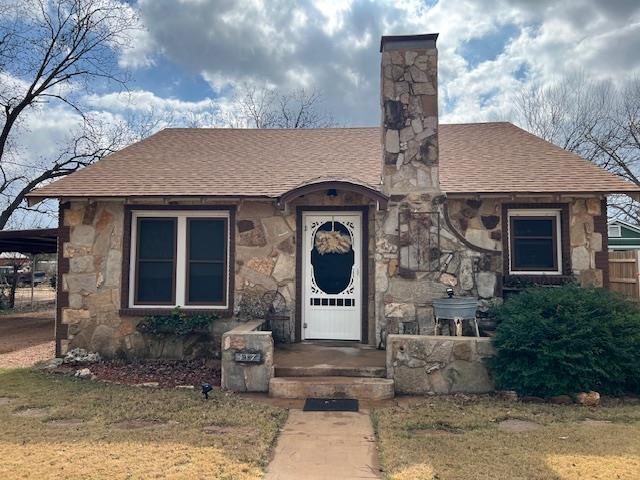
(564, 340)
(177, 323)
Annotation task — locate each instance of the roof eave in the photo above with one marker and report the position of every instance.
(634, 194)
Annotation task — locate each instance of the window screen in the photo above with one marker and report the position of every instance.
(534, 244)
(156, 251)
(206, 260)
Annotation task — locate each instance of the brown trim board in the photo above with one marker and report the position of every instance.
(600, 226)
(62, 297)
(364, 209)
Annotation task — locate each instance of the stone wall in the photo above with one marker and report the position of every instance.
(92, 287)
(266, 250)
(481, 224)
(265, 259)
(421, 364)
(239, 376)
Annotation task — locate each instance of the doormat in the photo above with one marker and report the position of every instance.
(330, 405)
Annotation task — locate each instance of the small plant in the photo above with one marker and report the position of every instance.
(177, 323)
(564, 340)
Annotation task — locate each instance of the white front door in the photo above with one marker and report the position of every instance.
(331, 266)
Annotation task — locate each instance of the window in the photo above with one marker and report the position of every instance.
(179, 258)
(615, 231)
(156, 261)
(534, 242)
(206, 267)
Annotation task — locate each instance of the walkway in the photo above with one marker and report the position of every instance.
(325, 445)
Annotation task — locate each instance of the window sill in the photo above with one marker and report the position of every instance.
(143, 312)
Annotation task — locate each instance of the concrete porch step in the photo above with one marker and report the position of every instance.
(362, 388)
(330, 371)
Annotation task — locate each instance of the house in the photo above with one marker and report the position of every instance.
(357, 228)
(623, 235)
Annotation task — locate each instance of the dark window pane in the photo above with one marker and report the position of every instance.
(207, 239)
(156, 238)
(155, 282)
(332, 266)
(206, 283)
(533, 254)
(527, 227)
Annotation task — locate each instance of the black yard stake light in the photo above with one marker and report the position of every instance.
(206, 388)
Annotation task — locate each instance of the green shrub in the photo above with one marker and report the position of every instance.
(177, 323)
(564, 340)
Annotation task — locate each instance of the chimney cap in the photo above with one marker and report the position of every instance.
(397, 42)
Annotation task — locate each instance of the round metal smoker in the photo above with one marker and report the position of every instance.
(456, 309)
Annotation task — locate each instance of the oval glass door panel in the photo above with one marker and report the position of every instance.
(332, 257)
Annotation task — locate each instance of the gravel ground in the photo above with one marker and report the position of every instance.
(23, 330)
(26, 357)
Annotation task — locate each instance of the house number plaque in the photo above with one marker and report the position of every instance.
(248, 357)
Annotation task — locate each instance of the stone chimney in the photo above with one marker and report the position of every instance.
(408, 251)
(409, 97)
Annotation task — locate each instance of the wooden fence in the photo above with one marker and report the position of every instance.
(624, 270)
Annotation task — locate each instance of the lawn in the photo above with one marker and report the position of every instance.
(447, 438)
(54, 426)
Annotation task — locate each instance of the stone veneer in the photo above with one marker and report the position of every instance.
(481, 224)
(265, 259)
(421, 364)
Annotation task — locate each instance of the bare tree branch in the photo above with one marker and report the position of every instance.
(53, 51)
(598, 121)
(266, 107)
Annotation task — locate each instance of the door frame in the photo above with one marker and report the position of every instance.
(364, 278)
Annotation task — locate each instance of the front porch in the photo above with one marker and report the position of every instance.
(330, 369)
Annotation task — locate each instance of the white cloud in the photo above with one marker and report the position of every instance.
(333, 45)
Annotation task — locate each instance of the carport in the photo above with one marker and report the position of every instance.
(27, 336)
(33, 242)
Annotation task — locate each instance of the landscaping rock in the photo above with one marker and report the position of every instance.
(507, 395)
(532, 399)
(148, 385)
(185, 387)
(80, 355)
(588, 399)
(83, 373)
(51, 364)
(561, 400)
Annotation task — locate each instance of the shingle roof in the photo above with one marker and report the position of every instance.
(474, 158)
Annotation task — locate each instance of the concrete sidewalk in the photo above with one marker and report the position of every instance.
(325, 445)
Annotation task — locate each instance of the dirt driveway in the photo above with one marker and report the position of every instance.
(22, 330)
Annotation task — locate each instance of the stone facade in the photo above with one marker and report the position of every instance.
(247, 376)
(421, 364)
(481, 223)
(265, 259)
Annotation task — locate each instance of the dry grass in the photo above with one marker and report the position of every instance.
(448, 438)
(126, 432)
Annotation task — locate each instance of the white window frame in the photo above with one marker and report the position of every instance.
(616, 228)
(181, 254)
(531, 212)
